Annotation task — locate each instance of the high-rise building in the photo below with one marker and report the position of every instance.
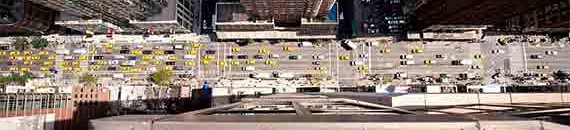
(22, 17)
(276, 19)
(143, 15)
(287, 12)
(510, 14)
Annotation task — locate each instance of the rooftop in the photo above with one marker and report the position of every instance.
(316, 111)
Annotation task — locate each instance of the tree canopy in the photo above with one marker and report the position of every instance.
(20, 79)
(162, 77)
(39, 42)
(88, 79)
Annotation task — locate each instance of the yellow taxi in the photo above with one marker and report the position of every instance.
(172, 57)
(44, 68)
(158, 52)
(95, 67)
(27, 52)
(263, 51)
(288, 49)
(135, 70)
(157, 62)
(344, 57)
(77, 69)
(477, 56)
(124, 68)
(13, 57)
(75, 63)
(236, 49)
(24, 69)
(51, 57)
(193, 52)
(429, 62)
(250, 62)
(221, 63)
(168, 67)
(2, 53)
(196, 45)
(14, 53)
(205, 62)
(68, 69)
(43, 53)
(92, 52)
(147, 57)
(190, 63)
(320, 68)
(64, 63)
(28, 58)
(83, 57)
(142, 63)
(13, 69)
(385, 50)
(235, 62)
(47, 63)
(28, 63)
(363, 69)
(108, 46)
(208, 57)
(101, 62)
(270, 62)
(35, 57)
(136, 52)
(417, 50)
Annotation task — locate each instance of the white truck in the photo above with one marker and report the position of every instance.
(466, 62)
(248, 68)
(285, 75)
(349, 45)
(261, 75)
(305, 44)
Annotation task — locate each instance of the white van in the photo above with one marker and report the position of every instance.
(62, 52)
(305, 44)
(190, 56)
(119, 57)
(248, 68)
(80, 51)
(356, 63)
(69, 58)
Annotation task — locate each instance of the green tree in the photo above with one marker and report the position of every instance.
(162, 77)
(6, 79)
(88, 79)
(20, 43)
(39, 42)
(21, 78)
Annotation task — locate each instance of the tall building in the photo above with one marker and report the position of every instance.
(515, 14)
(129, 15)
(287, 12)
(23, 17)
(276, 19)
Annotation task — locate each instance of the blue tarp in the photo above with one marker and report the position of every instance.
(333, 12)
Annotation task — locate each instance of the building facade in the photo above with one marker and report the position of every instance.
(55, 108)
(500, 13)
(287, 12)
(130, 15)
(24, 17)
(89, 102)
